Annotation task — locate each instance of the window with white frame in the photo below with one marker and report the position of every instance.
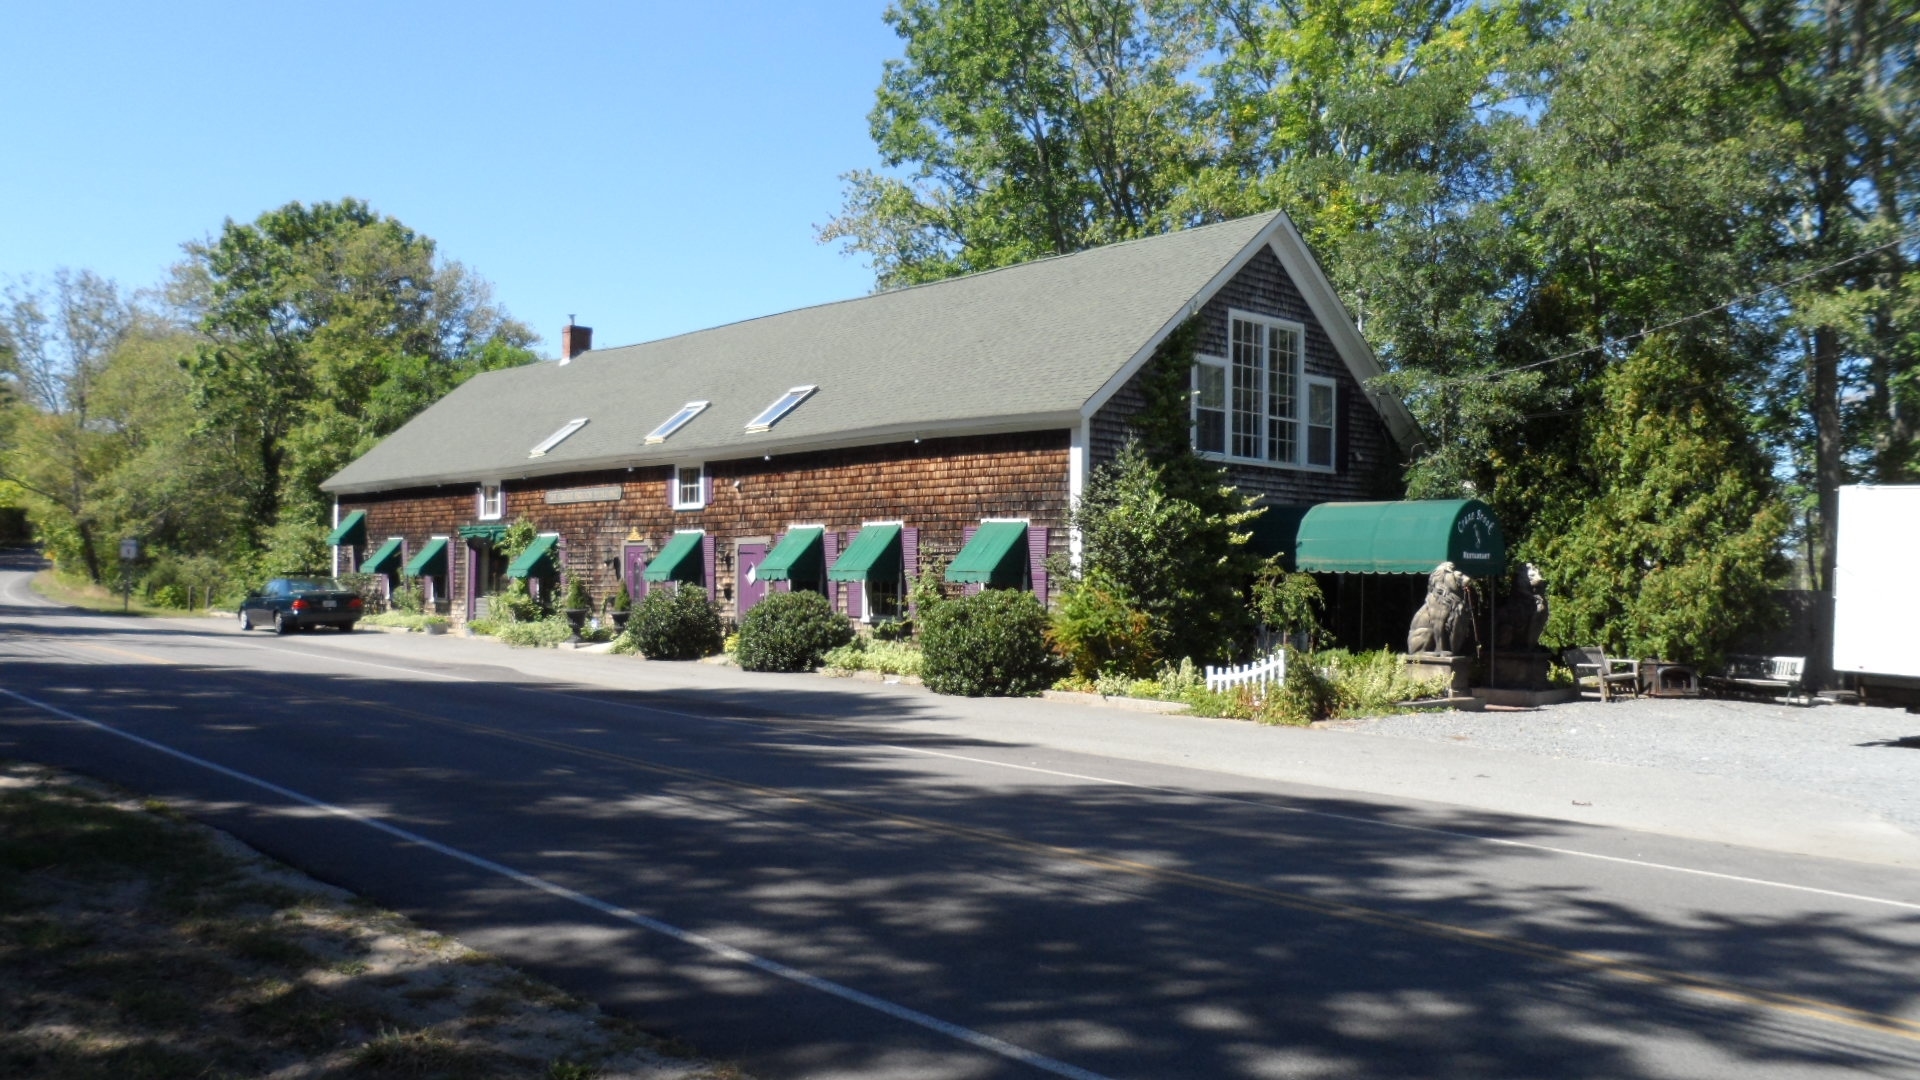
(492, 501)
(1256, 404)
(689, 487)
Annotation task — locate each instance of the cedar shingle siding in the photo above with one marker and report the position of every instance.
(1364, 450)
(939, 486)
(937, 406)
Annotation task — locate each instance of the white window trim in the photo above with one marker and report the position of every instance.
(480, 500)
(663, 432)
(866, 597)
(762, 421)
(1299, 464)
(557, 437)
(1333, 428)
(673, 489)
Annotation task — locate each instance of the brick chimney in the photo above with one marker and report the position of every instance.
(574, 340)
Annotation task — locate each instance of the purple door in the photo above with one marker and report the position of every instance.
(636, 575)
(749, 588)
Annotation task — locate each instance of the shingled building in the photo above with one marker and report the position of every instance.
(834, 447)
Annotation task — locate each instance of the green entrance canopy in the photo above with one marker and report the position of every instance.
(680, 560)
(530, 560)
(874, 555)
(1277, 532)
(384, 560)
(799, 556)
(1401, 538)
(997, 556)
(490, 533)
(432, 559)
(353, 530)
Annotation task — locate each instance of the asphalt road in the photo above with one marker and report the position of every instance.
(822, 882)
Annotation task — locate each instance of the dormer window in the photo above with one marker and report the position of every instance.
(558, 437)
(677, 421)
(772, 414)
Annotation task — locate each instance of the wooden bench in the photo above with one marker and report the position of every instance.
(1610, 675)
(1762, 676)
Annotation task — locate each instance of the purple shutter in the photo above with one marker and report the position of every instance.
(673, 486)
(707, 556)
(830, 542)
(1037, 561)
(909, 559)
(966, 537)
(856, 598)
(706, 487)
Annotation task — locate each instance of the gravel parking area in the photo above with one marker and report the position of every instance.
(1868, 756)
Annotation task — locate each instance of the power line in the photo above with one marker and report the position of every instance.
(1484, 376)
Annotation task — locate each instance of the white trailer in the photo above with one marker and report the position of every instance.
(1876, 591)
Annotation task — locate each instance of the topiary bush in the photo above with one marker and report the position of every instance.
(675, 624)
(993, 643)
(790, 632)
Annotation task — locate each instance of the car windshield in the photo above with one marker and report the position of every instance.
(311, 584)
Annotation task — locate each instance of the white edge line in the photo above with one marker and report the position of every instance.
(1352, 819)
(718, 948)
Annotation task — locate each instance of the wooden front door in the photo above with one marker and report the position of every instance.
(748, 588)
(636, 571)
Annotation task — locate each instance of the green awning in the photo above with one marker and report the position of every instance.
(1402, 538)
(680, 560)
(1277, 532)
(996, 556)
(540, 551)
(490, 533)
(352, 530)
(385, 560)
(799, 556)
(432, 559)
(874, 555)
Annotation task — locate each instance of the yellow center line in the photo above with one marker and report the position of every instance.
(1793, 1004)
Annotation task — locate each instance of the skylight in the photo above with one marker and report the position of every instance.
(778, 409)
(558, 437)
(675, 422)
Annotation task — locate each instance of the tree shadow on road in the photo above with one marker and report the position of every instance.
(1218, 928)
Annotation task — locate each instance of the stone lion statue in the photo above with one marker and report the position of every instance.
(1443, 624)
(1523, 617)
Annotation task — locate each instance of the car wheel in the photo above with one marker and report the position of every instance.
(346, 628)
(246, 621)
(280, 623)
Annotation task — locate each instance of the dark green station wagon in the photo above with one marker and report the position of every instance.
(301, 604)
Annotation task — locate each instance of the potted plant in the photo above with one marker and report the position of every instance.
(434, 624)
(622, 610)
(577, 604)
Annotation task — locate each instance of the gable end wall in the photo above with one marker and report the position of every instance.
(1364, 447)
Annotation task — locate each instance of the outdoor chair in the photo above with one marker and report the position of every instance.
(1610, 675)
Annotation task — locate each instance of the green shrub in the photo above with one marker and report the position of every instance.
(677, 623)
(1370, 682)
(885, 657)
(991, 643)
(622, 599)
(1100, 632)
(410, 598)
(514, 604)
(893, 630)
(1304, 695)
(577, 598)
(790, 631)
(535, 633)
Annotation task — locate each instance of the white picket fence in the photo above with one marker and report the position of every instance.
(1272, 669)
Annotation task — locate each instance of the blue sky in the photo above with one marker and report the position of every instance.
(651, 167)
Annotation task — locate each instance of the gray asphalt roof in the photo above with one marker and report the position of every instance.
(1021, 348)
